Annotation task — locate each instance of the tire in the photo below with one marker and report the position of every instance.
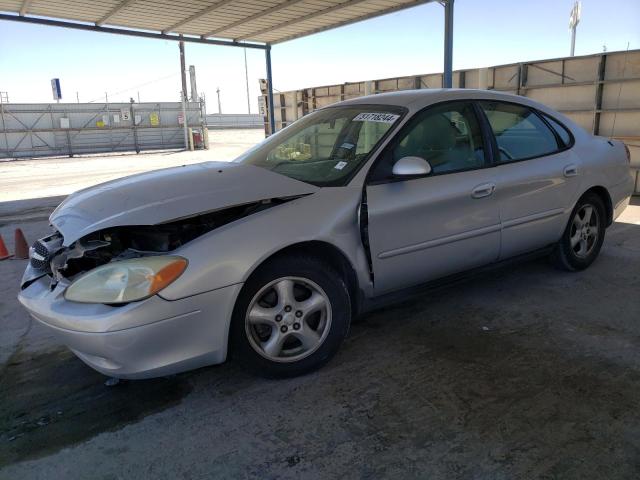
(290, 318)
(581, 243)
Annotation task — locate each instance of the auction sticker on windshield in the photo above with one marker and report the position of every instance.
(376, 117)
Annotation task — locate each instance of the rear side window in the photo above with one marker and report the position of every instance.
(519, 132)
(561, 130)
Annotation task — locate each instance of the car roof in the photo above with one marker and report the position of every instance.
(418, 99)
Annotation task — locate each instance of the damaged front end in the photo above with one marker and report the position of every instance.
(49, 256)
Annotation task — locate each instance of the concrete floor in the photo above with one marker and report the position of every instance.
(39, 178)
(527, 372)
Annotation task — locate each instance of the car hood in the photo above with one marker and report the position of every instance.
(169, 194)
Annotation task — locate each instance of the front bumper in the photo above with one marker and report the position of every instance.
(145, 339)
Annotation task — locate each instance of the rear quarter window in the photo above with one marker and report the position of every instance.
(561, 130)
(519, 132)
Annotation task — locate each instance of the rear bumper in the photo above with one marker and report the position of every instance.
(620, 196)
(151, 338)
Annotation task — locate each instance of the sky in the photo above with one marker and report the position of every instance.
(409, 42)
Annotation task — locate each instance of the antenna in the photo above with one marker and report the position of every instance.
(615, 114)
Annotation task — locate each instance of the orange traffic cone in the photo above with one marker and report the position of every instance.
(4, 253)
(21, 245)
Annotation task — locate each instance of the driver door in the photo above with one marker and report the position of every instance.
(423, 228)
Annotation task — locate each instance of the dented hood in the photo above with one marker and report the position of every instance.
(169, 194)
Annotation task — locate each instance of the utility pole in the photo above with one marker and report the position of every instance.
(78, 97)
(183, 94)
(183, 70)
(574, 20)
(192, 81)
(219, 106)
(246, 77)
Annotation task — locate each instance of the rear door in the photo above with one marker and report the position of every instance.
(446, 222)
(536, 173)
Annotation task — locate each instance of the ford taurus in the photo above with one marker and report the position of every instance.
(269, 257)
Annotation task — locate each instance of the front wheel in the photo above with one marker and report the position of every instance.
(291, 317)
(583, 237)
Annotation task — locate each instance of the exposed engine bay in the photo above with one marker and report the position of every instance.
(50, 257)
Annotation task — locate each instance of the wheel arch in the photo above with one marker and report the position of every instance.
(604, 195)
(333, 255)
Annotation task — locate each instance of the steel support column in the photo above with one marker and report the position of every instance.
(447, 79)
(272, 118)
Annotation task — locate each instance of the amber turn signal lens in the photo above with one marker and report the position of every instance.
(166, 275)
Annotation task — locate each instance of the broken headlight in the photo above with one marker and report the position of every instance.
(126, 280)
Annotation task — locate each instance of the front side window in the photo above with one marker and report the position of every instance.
(327, 146)
(448, 136)
(519, 132)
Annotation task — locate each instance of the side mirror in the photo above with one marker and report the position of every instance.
(411, 167)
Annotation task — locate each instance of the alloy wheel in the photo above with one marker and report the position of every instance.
(288, 319)
(584, 233)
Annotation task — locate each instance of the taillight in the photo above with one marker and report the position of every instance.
(626, 149)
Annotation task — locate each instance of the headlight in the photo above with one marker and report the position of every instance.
(126, 280)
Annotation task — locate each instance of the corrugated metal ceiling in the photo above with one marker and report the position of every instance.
(264, 21)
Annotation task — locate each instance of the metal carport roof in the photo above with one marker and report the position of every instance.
(263, 21)
(240, 23)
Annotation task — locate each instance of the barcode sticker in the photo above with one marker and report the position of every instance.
(340, 165)
(376, 117)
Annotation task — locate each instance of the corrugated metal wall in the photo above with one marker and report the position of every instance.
(599, 92)
(35, 130)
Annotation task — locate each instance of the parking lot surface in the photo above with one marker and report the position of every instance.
(46, 177)
(525, 372)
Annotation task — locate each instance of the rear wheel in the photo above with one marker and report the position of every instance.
(291, 317)
(583, 237)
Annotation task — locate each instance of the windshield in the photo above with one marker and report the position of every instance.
(326, 147)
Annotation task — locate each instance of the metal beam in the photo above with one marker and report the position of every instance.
(268, 11)
(132, 33)
(25, 7)
(447, 79)
(197, 15)
(272, 118)
(304, 18)
(597, 108)
(114, 11)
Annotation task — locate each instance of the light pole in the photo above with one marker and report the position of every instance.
(574, 19)
(246, 78)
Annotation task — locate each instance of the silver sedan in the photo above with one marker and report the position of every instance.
(270, 257)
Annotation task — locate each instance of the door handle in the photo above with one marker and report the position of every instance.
(570, 170)
(483, 190)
